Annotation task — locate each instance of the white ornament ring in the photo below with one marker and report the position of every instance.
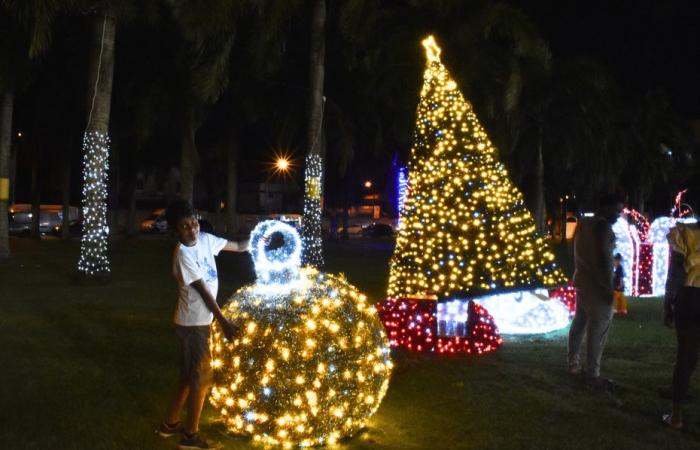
(280, 265)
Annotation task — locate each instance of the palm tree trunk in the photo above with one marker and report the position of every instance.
(316, 76)
(311, 224)
(6, 109)
(539, 188)
(231, 185)
(131, 228)
(188, 156)
(65, 188)
(36, 193)
(93, 250)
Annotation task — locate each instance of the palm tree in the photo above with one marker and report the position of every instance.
(313, 197)
(25, 32)
(494, 49)
(96, 141)
(653, 133)
(93, 250)
(8, 63)
(207, 31)
(563, 115)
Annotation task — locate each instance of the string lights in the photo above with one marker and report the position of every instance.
(93, 248)
(661, 253)
(423, 325)
(526, 312)
(566, 295)
(464, 230)
(313, 361)
(311, 223)
(401, 187)
(644, 248)
(464, 226)
(644, 251)
(278, 269)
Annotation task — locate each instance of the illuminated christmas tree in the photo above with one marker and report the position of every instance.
(464, 230)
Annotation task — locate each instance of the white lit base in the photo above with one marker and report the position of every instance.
(526, 312)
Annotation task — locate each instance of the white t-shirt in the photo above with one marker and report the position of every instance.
(189, 265)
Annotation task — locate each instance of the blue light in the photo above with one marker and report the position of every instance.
(401, 188)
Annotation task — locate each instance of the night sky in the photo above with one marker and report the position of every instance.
(646, 43)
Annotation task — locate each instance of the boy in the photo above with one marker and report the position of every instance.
(194, 269)
(619, 286)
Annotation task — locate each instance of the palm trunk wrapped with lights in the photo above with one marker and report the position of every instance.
(311, 223)
(93, 249)
(465, 233)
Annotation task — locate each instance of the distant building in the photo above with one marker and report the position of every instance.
(269, 198)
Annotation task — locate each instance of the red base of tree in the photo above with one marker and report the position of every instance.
(412, 324)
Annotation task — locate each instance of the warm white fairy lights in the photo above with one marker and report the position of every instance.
(464, 227)
(312, 254)
(312, 363)
(93, 248)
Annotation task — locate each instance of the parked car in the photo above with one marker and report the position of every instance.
(377, 229)
(157, 223)
(353, 229)
(20, 217)
(75, 229)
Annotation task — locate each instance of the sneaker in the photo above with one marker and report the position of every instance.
(194, 442)
(166, 430)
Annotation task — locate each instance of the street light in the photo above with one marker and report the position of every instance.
(282, 164)
(372, 197)
(19, 134)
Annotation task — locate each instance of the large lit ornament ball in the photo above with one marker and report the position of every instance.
(312, 362)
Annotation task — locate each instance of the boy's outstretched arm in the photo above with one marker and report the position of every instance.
(229, 329)
(232, 246)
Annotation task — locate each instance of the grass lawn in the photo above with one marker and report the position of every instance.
(93, 367)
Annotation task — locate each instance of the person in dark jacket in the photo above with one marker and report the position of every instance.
(593, 279)
(682, 305)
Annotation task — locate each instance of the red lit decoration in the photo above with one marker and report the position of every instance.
(566, 295)
(413, 324)
(643, 253)
(643, 266)
(636, 231)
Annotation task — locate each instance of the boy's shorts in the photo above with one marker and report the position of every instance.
(195, 366)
